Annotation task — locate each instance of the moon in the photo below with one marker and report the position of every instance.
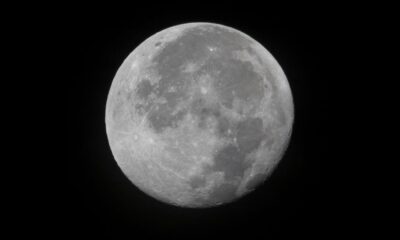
(199, 115)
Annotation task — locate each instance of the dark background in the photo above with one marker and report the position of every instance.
(305, 196)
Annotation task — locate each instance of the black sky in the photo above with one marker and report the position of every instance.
(304, 196)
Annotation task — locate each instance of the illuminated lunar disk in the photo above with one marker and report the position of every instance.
(198, 115)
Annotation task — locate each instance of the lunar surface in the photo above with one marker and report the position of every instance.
(199, 115)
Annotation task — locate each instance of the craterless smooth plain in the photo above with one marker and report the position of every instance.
(198, 115)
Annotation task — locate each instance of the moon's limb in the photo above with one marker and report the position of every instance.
(180, 165)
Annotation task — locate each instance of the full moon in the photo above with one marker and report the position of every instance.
(199, 115)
